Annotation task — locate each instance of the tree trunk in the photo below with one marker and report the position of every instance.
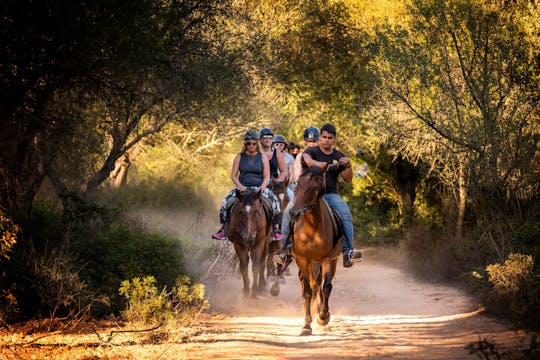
(462, 202)
(405, 177)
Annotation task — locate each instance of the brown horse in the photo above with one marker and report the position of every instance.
(316, 245)
(249, 230)
(280, 190)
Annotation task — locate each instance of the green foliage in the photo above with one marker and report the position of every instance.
(157, 194)
(512, 289)
(510, 277)
(147, 305)
(120, 252)
(8, 236)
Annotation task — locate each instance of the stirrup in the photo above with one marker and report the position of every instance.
(282, 259)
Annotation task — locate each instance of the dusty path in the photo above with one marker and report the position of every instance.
(378, 312)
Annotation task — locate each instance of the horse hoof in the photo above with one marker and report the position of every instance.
(274, 290)
(325, 328)
(323, 320)
(306, 332)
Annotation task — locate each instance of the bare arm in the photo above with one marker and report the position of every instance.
(235, 173)
(310, 162)
(297, 169)
(290, 169)
(346, 174)
(282, 166)
(266, 172)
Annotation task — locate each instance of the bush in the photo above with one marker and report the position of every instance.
(8, 237)
(147, 305)
(512, 290)
(120, 252)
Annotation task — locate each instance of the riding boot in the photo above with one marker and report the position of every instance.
(285, 257)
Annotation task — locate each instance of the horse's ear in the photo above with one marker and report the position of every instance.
(258, 193)
(238, 193)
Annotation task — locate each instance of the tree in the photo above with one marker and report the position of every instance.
(83, 83)
(459, 84)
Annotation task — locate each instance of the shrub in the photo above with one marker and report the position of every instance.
(8, 237)
(512, 290)
(513, 275)
(147, 305)
(487, 350)
(120, 252)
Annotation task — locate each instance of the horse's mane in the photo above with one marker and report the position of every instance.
(312, 170)
(249, 197)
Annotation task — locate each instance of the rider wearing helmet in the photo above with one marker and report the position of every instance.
(250, 169)
(280, 144)
(311, 138)
(278, 168)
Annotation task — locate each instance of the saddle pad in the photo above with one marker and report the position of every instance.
(267, 205)
(336, 222)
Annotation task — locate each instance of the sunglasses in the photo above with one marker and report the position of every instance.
(267, 137)
(251, 143)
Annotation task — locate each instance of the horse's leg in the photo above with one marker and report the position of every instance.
(262, 278)
(273, 248)
(243, 256)
(307, 294)
(325, 290)
(257, 268)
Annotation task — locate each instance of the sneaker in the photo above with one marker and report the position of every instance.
(276, 235)
(220, 235)
(282, 259)
(349, 256)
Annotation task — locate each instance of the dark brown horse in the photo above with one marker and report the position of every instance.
(316, 246)
(249, 230)
(280, 190)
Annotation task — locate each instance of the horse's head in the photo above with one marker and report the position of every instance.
(309, 188)
(280, 190)
(250, 211)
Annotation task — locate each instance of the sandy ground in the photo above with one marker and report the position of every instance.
(378, 312)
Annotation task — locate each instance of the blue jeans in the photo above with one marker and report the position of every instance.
(290, 193)
(285, 221)
(341, 207)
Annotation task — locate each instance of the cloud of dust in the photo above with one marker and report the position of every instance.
(214, 262)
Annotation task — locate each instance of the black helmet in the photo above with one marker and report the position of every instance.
(279, 139)
(266, 131)
(251, 134)
(311, 134)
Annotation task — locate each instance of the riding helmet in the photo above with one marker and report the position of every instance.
(311, 134)
(266, 131)
(251, 134)
(279, 139)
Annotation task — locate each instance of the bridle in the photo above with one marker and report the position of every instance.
(308, 207)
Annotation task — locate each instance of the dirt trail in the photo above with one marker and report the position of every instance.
(378, 312)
